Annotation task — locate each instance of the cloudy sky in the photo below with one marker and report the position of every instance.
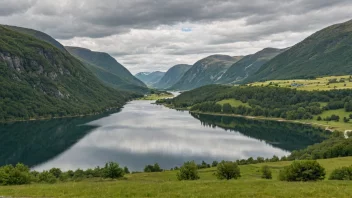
(147, 35)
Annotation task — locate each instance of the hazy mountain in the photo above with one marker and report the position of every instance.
(40, 80)
(173, 75)
(205, 71)
(107, 69)
(326, 52)
(248, 65)
(150, 78)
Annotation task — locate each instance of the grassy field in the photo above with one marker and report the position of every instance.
(165, 185)
(233, 102)
(309, 85)
(156, 96)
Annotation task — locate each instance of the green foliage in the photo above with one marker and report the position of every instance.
(112, 170)
(326, 52)
(214, 164)
(10, 175)
(344, 173)
(336, 146)
(188, 171)
(56, 172)
(152, 168)
(228, 170)
(308, 170)
(47, 177)
(273, 102)
(266, 172)
(49, 83)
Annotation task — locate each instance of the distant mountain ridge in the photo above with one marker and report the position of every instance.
(324, 53)
(150, 78)
(107, 69)
(205, 71)
(248, 65)
(172, 76)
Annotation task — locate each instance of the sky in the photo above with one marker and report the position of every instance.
(150, 35)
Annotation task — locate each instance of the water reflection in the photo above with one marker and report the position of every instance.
(142, 134)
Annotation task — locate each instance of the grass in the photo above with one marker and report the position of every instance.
(233, 102)
(318, 84)
(164, 184)
(340, 125)
(156, 96)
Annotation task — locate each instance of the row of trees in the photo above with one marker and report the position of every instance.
(263, 101)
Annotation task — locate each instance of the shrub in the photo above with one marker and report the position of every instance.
(112, 170)
(125, 170)
(188, 171)
(308, 170)
(214, 164)
(47, 177)
(78, 175)
(10, 175)
(344, 173)
(266, 172)
(56, 172)
(228, 170)
(152, 168)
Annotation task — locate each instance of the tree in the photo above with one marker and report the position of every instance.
(266, 172)
(112, 170)
(56, 172)
(319, 118)
(228, 170)
(47, 177)
(344, 173)
(125, 170)
(17, 175)
(214, 164)
(227, 108)
(306, 170)
(188, 171)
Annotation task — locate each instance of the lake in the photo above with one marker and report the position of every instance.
(142, 133)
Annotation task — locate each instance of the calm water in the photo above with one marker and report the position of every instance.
(143, 133)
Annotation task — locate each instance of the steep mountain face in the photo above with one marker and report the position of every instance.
(107, 69)
(172, 76)
(206, 71)
(327, 52)
(39, 80)
(39, 35)
(150, 78)
(248, 65)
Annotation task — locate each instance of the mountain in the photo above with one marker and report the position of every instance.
(40, 80)
(325, 53)
(248, 65)
(206, 71)
(107, 69)
(39, 35)
(150, 78)
(172, 76)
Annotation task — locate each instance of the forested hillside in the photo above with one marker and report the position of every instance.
(39, 80)
(172, 76)
(325, 53)
(206, 71)
(108, 70)
(248, 65)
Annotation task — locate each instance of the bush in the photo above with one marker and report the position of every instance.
(56, 172)
(228, 170)
(152, 168)
(125, 170)
(266, 172)
(344, 173)
(188, 171)
(308, 170)
(112, 170)
(47, 177)
(214, 164)
(17, 175)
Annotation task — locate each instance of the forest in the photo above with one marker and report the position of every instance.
(264, 101)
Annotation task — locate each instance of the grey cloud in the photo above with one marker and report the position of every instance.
(10, 7)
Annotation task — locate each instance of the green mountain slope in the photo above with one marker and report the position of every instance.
(39, 80)
(150, 78)
(205, 71)
(172, 76)
(327, 52)
(107, 69)
(248, 65)
(39, 35)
